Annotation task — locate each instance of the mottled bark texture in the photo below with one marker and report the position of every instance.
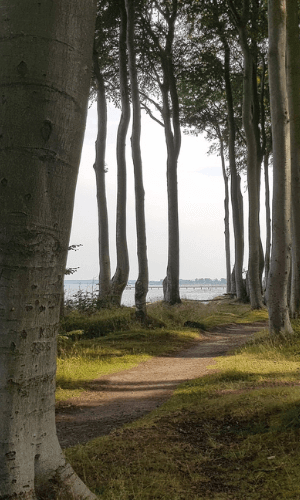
(279, 321)
(293, 78)
(99, 167)
(141, 285)
(120, 278)
(46, 50)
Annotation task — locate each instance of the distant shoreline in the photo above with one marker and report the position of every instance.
(184, 283)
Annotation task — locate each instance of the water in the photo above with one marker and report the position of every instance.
(205, 292)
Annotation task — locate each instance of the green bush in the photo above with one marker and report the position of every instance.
(98, 324)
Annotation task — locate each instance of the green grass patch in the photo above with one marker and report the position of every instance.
(233, 434)
(111, 340)
(81, 361)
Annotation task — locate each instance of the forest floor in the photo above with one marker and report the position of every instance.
(113, 400)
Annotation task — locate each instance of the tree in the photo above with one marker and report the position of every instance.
(47, 49)
(210, 97)
(293, 80)
(251, 121)
(159, 24)
(100, 171)
(279, 321)
(141, 285)
(120, 278)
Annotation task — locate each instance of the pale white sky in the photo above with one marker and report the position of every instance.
(201, 202)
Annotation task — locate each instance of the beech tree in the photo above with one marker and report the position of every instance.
(210, 98)
(293, 81)
(279, 321)
(141, 285)
(46, 52)
(246, 20)
(111, 82)
(120, 278)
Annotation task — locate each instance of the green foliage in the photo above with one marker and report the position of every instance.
(100, 323)
(232, 434)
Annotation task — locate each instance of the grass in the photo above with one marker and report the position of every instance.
(233, 434)
(82, 359)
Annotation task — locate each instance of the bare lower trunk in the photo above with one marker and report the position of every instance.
(226, 217)
(172, 295)
(173, 141)
(293, 71)
(141, 286)
(236, 195)
(120, 278)
(99, 167)
(281, 213)
(253, 173)
(44, 86)
(268, 220)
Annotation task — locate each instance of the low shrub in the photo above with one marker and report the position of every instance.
(98, 324)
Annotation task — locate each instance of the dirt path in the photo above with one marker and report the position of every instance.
(120, 398)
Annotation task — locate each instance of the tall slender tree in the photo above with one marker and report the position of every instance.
(47, 49)
(141, 285)
(281, 213)
(293, 79)
(104, 298)
(120, 278)
(251, 122)
(159, 22)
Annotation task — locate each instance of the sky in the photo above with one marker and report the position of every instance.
(201, 204)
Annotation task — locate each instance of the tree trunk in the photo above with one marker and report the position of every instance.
(120, 278)
(293, 71)
(268, 220)
(226, 217)
(250, 117)
(281, 214)
(141, 286)
(171, 290)
(104, 297)
(173, 141)
(47, 49)
(236, 195)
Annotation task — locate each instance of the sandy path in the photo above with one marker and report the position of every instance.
(123, 397)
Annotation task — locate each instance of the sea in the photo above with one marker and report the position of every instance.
(203, 293)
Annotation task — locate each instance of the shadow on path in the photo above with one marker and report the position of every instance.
(111, 401)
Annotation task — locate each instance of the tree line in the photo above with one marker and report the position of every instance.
(248, 103)
(202, 66)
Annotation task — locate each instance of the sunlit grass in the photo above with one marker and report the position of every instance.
(232, 434)
(121, 343)
(82, 361)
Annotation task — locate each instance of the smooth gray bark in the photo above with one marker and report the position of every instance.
(47, 49)
(141, 285)
(254, 157)
(120, 278)
(293, 79)
(226, 216)
(99, 167)
(268, 220)
(279, 321)
(173, 142)
(235, 187)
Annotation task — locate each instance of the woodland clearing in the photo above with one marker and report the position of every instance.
(225, 427)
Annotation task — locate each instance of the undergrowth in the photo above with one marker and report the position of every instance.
(233, 434)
